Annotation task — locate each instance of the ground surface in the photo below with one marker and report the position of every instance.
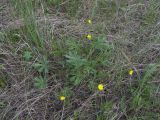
(45, 55)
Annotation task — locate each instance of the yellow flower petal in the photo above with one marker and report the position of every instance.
(62, 98)
(131, 72)
(100, 87)
(89, 36)
(89, 21)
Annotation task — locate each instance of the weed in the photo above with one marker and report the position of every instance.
(2, 104)
(151, 15)
(142, 94)
(40, 82)
(27, 55)
(2, 83)
(30, 28)
(92, 85)
(14, 35)
(42, 65)
(82, 66)
(106, 111)
(75, 60)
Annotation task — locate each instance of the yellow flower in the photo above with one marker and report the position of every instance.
(89, 36)
(130, 72)
(89, 21)
(62, 98)
(100, 87)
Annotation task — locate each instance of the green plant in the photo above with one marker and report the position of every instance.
(30, 29)
(76, 77)
(101, 51)
(83, 63)
(106, 111)
(2, 83)
(14, 36)
(2, 104)
(92, 85)
(105, 8)
(142, 94)
(1, 66)
(40, 82)
(75, 63)
(67, 92)
(70, 7)
(75, 60)
(58, 49)
(72, 44)
(151, 15)
(42, 65)
(27, 55)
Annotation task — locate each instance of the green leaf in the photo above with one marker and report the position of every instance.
(75, 60)
(76, 79)
(40, 82)
(27, 55)
(42, 65)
